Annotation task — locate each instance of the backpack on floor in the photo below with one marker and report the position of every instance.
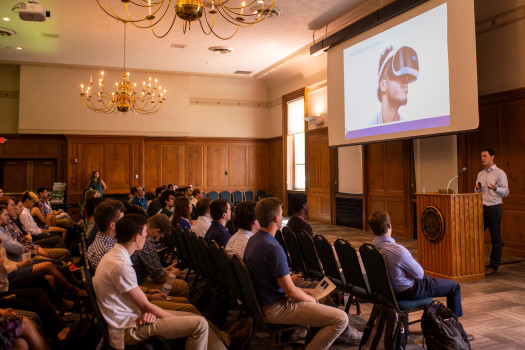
(442, 329)
(386, 329)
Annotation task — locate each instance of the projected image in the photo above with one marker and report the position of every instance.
(398, 80)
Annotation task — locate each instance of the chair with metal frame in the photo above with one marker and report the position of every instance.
(314, 269)
(249, 298)
(294, 252)
(355, 281)
(381, 286)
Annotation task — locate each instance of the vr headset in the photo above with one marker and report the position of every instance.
(402, 62)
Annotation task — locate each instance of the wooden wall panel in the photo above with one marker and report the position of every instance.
(237, 169)
(90, 158)
(387, 183)
(170, 164)
(193, 165)
(258, 166)
(120, 172)
(319, 172)
(216, 167)
(151, 166)
(275, 167)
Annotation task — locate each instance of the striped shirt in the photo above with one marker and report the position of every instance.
(100, 246)
(237, 243)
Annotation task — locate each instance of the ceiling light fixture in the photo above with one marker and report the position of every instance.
(18, 48)
(7, 19)
(123, 97)
(231, 11)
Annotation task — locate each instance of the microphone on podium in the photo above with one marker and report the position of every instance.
(463, 170)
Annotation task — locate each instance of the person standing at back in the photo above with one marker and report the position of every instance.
(97, 183)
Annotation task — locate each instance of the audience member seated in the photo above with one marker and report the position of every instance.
(155, 205)
(282, 302)
(146, 262)
(196, 196)
(221, 213)
(138, 197)
(107, 214)
(187, 191)
(172, 187)
(181, 213)
(87, 223)
(17, 244)
(203, 222)
(130, 316)
(299, 205)
(167, 200)
(37, 233)
(37, 213)
(406, 275)
(61, 218)
(19, 332)
(247, 225)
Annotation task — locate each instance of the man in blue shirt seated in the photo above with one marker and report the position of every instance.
(138, 197)
(221, 213)
(407, 276)
(281, 301)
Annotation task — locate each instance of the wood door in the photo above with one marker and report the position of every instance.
(44, 173)
(15, 177)
(319, 175)
(387, 183)
(216, 167)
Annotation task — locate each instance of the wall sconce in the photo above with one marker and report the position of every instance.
(315, 119)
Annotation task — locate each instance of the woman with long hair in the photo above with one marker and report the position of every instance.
(181, 213)
(97, 183)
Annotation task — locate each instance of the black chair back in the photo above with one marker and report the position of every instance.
(378, 276)
(223, 264)
(294, 252)
(248, 195)
(226, 195)
(310, 256)
(279, 237)
(183, 237)
(209, 266)
(237, 197)
(351, 268)
(87, 279)
(213, 195)
(259, 194)
(329, 261)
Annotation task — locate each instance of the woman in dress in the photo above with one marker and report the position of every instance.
(97, 183)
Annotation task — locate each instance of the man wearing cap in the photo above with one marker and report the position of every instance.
(397, 68)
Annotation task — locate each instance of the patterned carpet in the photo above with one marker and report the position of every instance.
(494, 308)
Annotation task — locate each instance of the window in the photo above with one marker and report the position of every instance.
(296, 178)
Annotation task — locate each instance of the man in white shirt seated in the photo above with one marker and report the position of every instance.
(203, 222)
(247, 225)
(130, 316)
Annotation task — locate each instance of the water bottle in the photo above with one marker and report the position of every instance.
(166, 288)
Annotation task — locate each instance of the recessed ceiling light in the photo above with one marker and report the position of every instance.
(220, 49)
(18, 48)
(6, 19)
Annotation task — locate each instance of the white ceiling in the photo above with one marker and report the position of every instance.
(89, 37)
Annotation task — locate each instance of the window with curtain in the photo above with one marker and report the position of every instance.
(296, 145)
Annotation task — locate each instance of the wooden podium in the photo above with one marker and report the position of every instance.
(450, 237)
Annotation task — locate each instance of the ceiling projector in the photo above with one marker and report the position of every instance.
(32, 11)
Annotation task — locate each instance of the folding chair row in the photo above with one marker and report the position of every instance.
(236, 197)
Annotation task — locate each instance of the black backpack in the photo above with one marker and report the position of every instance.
(442, 329)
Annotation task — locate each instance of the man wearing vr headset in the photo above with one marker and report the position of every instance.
(397, 68)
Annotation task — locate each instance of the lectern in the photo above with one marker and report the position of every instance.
(450, 237)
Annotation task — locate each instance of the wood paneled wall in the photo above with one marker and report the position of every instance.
(501, 127)
(319, 175)
(210, 163)
(276, 167)
(387, 183)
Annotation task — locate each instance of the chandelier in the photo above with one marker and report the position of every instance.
(123, 97)
(238, 14)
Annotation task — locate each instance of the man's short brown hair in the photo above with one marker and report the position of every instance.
(161, 222)
(267, 209)
(196, 191)
(379, 222)
(107, 212)
(203, 205)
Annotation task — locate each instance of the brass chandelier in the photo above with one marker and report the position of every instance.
(149, 13)
(123, 97)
